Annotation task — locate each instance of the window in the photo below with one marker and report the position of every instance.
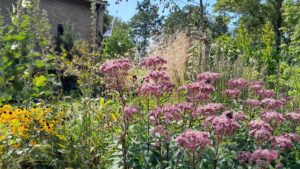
(60, 30)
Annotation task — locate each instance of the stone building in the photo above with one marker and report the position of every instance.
(65, 15)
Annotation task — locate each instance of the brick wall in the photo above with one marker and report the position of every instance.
(6, 8)
(74, 13)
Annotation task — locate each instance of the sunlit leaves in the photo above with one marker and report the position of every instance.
(40, 81)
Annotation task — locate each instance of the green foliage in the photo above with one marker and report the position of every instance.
(145, 24)
(20, 41)
(94, 131)
(219, 26)
(120, 44)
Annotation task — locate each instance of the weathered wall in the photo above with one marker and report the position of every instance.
(5, 7)
(75, 13)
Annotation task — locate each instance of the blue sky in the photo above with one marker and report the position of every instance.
(125, 10)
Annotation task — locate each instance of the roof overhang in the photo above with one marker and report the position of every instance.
(102, 2)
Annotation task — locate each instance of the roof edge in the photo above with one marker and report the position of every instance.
(103, 2)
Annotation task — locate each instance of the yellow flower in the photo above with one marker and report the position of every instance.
(32, 143)
(47, 110)
(7, 107)
(61, 113)
(16, 145)
(61, 137)
(114, 117)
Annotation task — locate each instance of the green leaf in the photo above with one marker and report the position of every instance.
(39, 63)
(40, 81)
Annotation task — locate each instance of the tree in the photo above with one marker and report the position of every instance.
(120, 42)
(145, 23)
(218, 25)
(255, 14)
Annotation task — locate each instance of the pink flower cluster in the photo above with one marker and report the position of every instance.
(150, 90)
(222, 125)
(129, 111)
(263, 157)
(208, 77)
(260, 129)
(232, 93)
(252, 103)
(210, 109)
(265, 93)
(256, 86)
(237, 83)
(282, 142)
(272, 104)
(185, 106)
(171, 113)
(198, 91)
(292, 136)
(115, 66)
(273, 117)
(157, 82)
(294, 117)
(160, 131)
(153, 63)
(238, 116)
(192, 140)
(167, 113)
(115, 72)
(157, 76)
(244, 156)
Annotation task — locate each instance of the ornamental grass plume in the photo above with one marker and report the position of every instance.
(263, 157)
(153, 63)
(115, 72)
(192, 140)
(210, 109)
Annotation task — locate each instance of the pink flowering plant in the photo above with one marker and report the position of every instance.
(212, 122)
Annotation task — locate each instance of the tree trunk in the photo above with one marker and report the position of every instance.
(204, 40)
(277, 25)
